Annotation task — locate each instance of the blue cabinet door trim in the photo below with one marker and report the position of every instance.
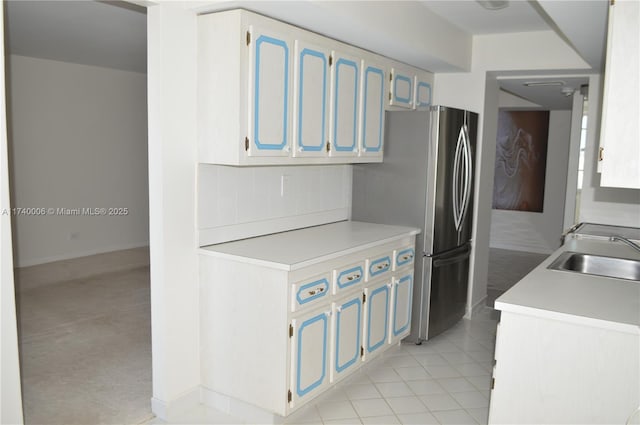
(372, 70)
(256, 138)
(337, 146)
(302, 391)
(319, 294)
(342, 284)
(428, 87)
(374, 272)
(303, 53)
(400, 262)
(357, 302)
(385, 289)
(406, 100)
(406, 280)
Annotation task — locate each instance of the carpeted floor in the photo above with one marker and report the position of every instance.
(506, 268)
(85, 346)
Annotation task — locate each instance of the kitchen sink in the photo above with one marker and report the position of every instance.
(598, 265)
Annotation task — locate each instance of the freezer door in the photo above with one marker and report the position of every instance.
(446, 277)
(450, 182)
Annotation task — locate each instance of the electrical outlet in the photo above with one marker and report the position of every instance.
(285, 182)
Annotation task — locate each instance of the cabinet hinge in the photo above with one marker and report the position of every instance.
(289, 396)
(248, 38)
(612, 2)
(361, 351)
(246, 143)
(330, 60)
(389, 96)
(600, 154)
(364, 298)
(290, 331)
(493, 382)
(391, 76)
(328, 147)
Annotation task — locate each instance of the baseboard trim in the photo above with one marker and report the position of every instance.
(246, 412)
(522, 248)
(81, 267)
(79, 254)
(171, 411)
(476, 308)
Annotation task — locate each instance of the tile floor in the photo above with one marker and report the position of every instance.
(86, 358)
(443, 381)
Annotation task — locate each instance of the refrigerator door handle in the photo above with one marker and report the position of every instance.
(456, 180)
(451, 260)
(468, 173)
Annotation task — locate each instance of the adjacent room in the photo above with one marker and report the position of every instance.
(77, 132)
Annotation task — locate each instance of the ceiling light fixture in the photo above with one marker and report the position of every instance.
(493, 4)
(543, 83)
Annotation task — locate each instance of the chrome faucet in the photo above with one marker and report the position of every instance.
(632, 244)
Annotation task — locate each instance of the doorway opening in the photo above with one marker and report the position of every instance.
(77, 136)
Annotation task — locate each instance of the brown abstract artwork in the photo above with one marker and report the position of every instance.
(521, 160)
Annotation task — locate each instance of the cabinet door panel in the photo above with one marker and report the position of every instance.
(376, 322)
(372, 125)
(269, 94)
(401, 89)
(311, 89)
(309, 350)
(344, 105)
(346, 336)
(423, 94)
(401, 311)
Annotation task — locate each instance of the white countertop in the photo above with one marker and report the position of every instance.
(299, 248)
(576, 297)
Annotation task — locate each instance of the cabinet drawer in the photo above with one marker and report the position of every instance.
(348, 276)
(378, 266)
(309, 291)
(403, 257)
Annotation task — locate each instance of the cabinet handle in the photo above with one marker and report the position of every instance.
(382, 266)
(350, 278)
(321, 289)
(357, 276)
(601, 154)
(312, 292)
(407, 257)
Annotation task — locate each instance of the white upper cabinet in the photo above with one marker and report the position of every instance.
(345, 88)
(269, 86)
(311, 100)
(373, 92)
(620, 150)
(402, 88)
(422, 98)
(270, 93)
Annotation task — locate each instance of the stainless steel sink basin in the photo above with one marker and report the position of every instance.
(598, 265)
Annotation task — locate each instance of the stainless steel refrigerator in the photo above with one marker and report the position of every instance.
(427, 181)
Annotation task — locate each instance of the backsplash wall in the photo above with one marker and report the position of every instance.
(241, 202)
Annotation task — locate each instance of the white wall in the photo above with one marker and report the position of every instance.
(241, 202)
(478, 91)
(10, 390)
(78, 139)
(603, 204)
(173, 147)
(539, 232)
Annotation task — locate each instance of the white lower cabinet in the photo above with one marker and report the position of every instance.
(346, 335)
(401, 298)
(298, 327)
(376, 313)
(310, 337)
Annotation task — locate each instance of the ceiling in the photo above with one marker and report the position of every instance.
(113, 34)
(548, 97)
(472, 18)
